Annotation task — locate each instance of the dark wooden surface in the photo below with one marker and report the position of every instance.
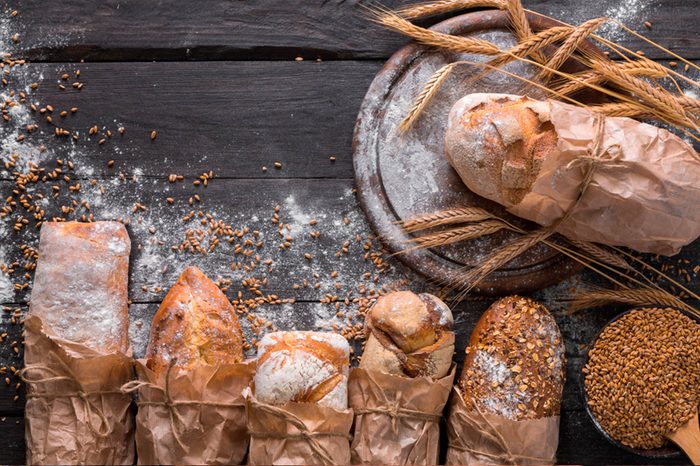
(218, 81)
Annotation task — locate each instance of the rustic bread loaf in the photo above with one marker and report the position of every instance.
(515, 363)
(305, 367)
(609, 180)
(497, 145)
(194, 325)
(81, 283)
(409, 334)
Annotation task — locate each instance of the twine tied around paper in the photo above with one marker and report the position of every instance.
(103, 429)
(177, 421)
(393, 409)
(594, 158)
(303, 432)
(483, 426)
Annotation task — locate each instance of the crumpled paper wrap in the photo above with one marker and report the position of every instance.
(75, 412)
(481, 438)
(192, 416)
(297, 433)
(644, 192)
(397, 419)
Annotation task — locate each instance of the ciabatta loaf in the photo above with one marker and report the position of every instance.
(533, 156)
(81, 283)
(515, 363)
(194, 325)
(305, 367)
(409, 334)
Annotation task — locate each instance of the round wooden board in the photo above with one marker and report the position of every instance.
(402, 175)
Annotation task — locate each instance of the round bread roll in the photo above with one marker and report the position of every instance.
(496, 144)
(304, 367)
(195, 324)
(409, 335)
(515, 361)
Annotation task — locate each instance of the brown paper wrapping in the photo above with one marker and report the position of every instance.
(643, 194)
(75, 412)
(397, 419)
(482, 438)
(196, 417)
(297, 433)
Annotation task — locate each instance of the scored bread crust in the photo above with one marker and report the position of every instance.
(515, 361)
(303, 367)
(194, 325)
(81, 283)
(409, 334)
(496, 143)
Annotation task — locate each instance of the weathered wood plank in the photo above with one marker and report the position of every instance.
(115, 30)
(232, 118)
(239, 204)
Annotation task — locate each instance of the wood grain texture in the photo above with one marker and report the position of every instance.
(122, 30)
(232, 118)
(242, 203)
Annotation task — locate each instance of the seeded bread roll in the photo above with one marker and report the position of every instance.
(410, 335)
(305, 367)
(81, 283)
(194, 325)
(514, 365)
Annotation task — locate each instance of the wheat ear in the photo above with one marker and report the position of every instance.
(455, 235)
(631, 296)
(421, 10)
(446, 217)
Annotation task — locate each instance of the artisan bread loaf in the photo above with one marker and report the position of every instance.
(305, 367)
(514, 365)
(81, 283)
(609, 180)
(497, 143)
(410, 335)
(194, 325)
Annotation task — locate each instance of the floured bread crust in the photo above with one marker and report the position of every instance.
(497, 143)
(194, 325)
(305, 367)
(81, 283)
(409, 334)
(515, 361)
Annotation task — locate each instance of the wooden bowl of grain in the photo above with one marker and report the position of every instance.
(641, 351)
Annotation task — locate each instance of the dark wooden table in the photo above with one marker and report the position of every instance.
(229, 87)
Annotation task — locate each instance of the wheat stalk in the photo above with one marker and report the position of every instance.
(429, 90)
(422, 10)
(571, 44)
(521, 26)
(455, 235)
(498, 258)
(622, 109)
(659, 97)
(601, 254)
(436, 39)
(631, 296)
(635, 68)
(446, 217)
